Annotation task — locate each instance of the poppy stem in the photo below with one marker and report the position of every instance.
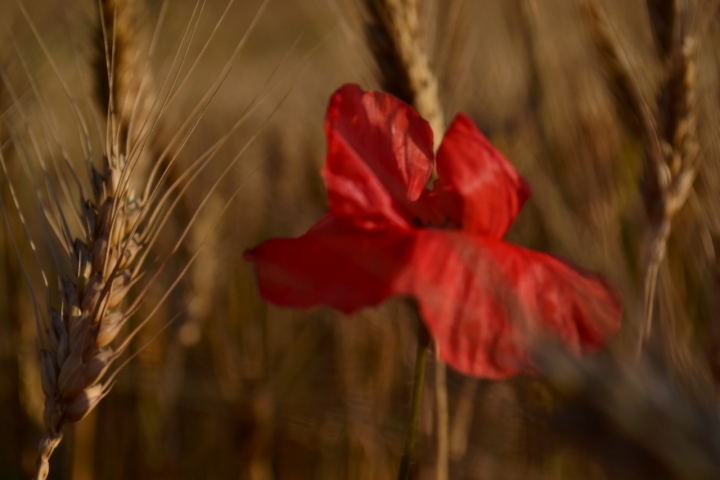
(423, 347)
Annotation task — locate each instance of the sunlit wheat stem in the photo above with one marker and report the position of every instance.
(668, 133)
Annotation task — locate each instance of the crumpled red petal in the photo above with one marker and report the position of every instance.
(491, 191)
(333, 264)
(486, 302)
(380, 156)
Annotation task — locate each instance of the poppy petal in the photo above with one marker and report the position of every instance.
(485, 301)
(492, 191)
(380, 156)
(334, 264)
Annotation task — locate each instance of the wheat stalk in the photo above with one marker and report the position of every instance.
(669, 133)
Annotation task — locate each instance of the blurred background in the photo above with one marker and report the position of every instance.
(235, 388)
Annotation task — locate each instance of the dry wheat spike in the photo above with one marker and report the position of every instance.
(77, 346)
(394, 37)
(100, 240)
(668, 131)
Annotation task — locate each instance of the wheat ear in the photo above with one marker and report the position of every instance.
(394, 37)
(79, 341)
(76, 346)
(669, 133)
(76, 349)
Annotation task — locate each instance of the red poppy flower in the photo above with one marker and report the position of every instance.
(483, 300)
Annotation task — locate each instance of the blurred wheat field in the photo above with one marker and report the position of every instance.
(227, 386)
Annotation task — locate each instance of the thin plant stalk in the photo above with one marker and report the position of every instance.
(423, 347)
(441, 401)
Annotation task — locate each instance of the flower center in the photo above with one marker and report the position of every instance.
(446, 224)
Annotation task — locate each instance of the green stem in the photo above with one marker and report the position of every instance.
(423, 347)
